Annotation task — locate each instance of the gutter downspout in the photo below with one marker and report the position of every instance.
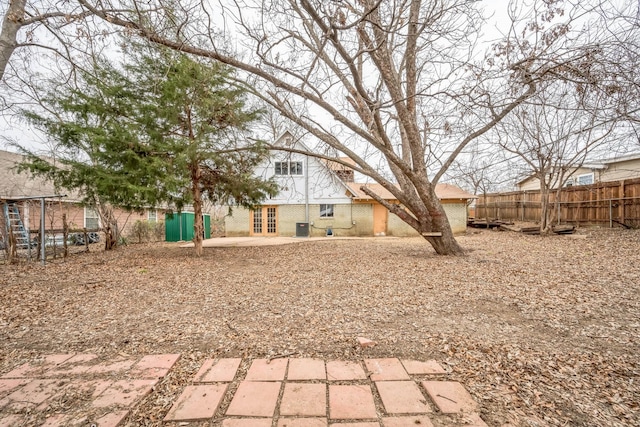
(306, 189)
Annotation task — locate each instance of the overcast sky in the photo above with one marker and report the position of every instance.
(13, 129)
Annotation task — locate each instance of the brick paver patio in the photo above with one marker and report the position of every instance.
(281, 392)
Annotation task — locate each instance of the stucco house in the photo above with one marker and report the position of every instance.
(605, 170)
(323, 196)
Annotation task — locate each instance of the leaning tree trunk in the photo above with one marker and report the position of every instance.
(198, 226)
(10, 26)
(427, 217)
(446, 244)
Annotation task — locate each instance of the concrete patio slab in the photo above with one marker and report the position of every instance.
(221, 242)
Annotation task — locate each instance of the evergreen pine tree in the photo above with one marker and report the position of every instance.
(161, 129)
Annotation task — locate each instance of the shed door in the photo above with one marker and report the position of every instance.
(264, 221)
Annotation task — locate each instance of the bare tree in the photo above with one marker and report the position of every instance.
(615, 67)
(554, 133)
(481, 170)
(592, 91)
(45, 25)
(11, 24)
(371, 79)
(399, 87)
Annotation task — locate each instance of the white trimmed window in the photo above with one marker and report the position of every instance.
(282, 168)
(585, 179)
(295, 168)
(152, 215)
(91, 218)
(326, 211)
(288, 168)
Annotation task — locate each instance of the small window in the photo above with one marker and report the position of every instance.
(282, 168)
(288, 168)
(586, 179)
(152, 215)
(91, 219)
(326, 211)
(569, 183)
(295, 168)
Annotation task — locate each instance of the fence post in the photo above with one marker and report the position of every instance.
(621, 201)
(65, 235)
(43, 250)
(610, 214)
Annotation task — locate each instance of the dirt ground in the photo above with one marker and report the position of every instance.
(541, 330)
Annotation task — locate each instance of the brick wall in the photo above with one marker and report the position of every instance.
(288, 215)
(30, 211)
(457, 215)
(342, 223)
(399, 228)
(237, 225)
(363, 215)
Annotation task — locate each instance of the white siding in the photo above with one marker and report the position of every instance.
(323, 185)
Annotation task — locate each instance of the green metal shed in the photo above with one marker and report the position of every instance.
(179, 226)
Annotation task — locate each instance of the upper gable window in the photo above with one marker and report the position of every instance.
(295, 168)
(282, 168)
(288, 168)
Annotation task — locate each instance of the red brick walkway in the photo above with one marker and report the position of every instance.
(271, 393)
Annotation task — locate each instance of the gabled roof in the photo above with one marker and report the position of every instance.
(443, 191)
(14, 185)
(287, 140)
(450, 191)
(617, 159)
(339, 166)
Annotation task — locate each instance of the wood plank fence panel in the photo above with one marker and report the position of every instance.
(605, 203)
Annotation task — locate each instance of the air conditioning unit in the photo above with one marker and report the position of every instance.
(302, 229)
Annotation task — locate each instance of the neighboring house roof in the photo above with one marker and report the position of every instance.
(597, 164)
(443, 191)
(626, 157)
(14, 185)
(603, 163)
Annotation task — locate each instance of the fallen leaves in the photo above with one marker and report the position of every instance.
(541, 330)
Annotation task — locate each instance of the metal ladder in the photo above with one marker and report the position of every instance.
(15, 225)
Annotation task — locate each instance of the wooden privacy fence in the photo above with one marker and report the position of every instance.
(605, 203)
